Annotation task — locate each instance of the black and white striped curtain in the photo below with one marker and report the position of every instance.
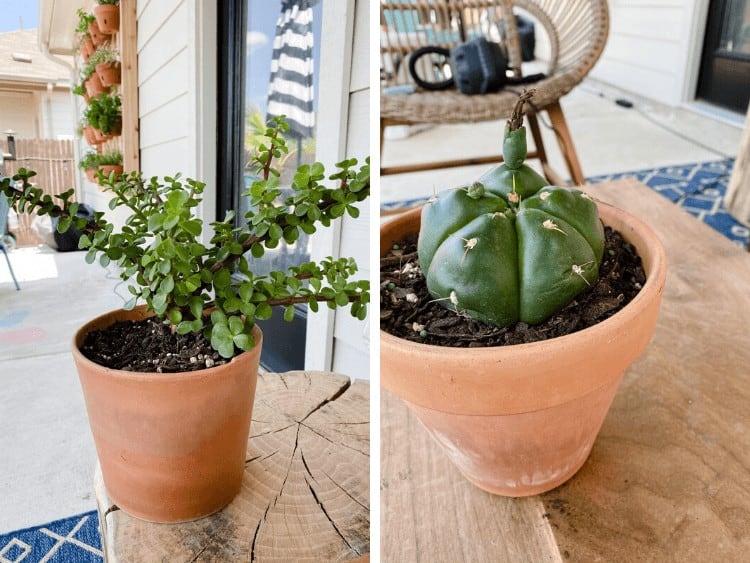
(290, 91)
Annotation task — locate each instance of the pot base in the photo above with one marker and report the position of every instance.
(522, 454)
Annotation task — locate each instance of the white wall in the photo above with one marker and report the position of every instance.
(654, 48)
(177, 82)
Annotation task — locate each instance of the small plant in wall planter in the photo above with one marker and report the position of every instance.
(199, 304)
(89, 163)
(510, 310)
(85, 44)
(107, 66)
(105, 114)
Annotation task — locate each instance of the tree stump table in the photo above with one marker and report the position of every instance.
(305, 494)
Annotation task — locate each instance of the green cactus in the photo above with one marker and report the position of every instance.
(510, 247)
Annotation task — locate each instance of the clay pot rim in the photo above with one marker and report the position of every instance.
(653, 282)
(139, 312)
(513, 391)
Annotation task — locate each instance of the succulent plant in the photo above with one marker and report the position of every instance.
(161, 252)
(510, 247)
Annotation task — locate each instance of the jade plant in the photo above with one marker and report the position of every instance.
(510, 247)
(162, 254)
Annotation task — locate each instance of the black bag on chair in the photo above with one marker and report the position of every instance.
(68, 241)
(477, 66)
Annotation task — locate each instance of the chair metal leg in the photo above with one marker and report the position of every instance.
(12, 275)
(565, 140)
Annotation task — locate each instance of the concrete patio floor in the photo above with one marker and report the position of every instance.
(47, 455)
(608, 139)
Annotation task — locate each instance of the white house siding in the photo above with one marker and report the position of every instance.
(177, 85)
(654, 48)
(59, 114)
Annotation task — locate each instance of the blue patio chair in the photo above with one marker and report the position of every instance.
(4, 208)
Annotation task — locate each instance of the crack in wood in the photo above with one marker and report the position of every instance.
(304, 462)
(203, 549)
(257, 531)
(347, 493)
(328, 516)
(272, 431)
(330, 399)
(281, 377)
(367, 454)
(261, 457)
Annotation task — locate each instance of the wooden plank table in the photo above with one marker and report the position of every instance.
(305, 494)
(669, 475)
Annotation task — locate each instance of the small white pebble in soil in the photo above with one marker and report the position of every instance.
(193, 359)
(412, 298)
(209, 363)
(416, 327)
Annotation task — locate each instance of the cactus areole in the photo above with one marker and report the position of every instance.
(509, 247)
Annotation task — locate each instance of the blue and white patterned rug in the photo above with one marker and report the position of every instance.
(698, 188)
(71, 540)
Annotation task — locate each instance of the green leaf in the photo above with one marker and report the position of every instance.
(193, 227)
(289, 313)
(257, 250)
(167, 285)
(244, 342)
(90, 256)
(218, 317)
(236, 325)
(130, 304)
(341, 299)
(222, 278)
(185, 327)
(275, 232)
(263, 311)
(196, 306)
(174, 316)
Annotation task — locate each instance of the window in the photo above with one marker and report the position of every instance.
(269, 52)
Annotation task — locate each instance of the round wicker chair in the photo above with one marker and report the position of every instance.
(577, 32)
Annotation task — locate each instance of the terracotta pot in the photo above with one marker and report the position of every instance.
(89, 133)
(97, 37)
(107, 18)
(521, 420)
(91, 175)
(87, 48)
(172, 447)
(107, 169)
(101, 137)
(94, 85)
(109, 74)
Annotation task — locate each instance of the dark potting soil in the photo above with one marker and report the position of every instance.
(149, 346)
(408, 311)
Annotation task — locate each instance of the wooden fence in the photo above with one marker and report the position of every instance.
(54, 164)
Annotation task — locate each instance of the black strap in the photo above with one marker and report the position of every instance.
(416, 55)
(447, 83)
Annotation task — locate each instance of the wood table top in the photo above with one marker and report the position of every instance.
(305, 495)
(668, 478)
